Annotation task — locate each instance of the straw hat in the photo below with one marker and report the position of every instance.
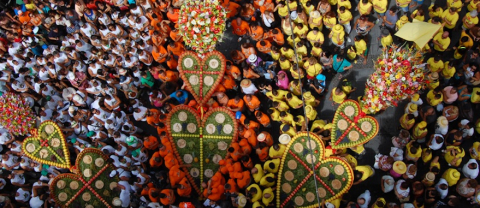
(252, 58)
(413, 107)
(430, 176)
(442, 121)
(422, 124)
(399, 167)
(242, 201)
(261, 137)
(315, 14)
(433, 76)
(284, 139)
(245, 83)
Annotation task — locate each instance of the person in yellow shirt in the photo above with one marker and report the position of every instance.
(441, 41)
(287, 52)
(330, 20)
(276, 151)
(274, 114)
(386, 39)
(450, 18)
(287, 129)
(310, 99)
(380, 7)
(454, 155)
(312, 67)
(364, 7)
(281, 106)
(285, 64)
(317, 50)
(448, 71)
(454, 3)
(338, 95)
(315, 36)
(469, 20)
(473, 5)
(402, 21)
(435, 10)
(276, 94)
(301, 30)
(282, 9)
(315, 20)
(268, 197)
(403, 4)
(362, 173)
(344, 3)
(361, 48)
(344, 18)
(418, 14)
(351, 53)
(286, 118)
(451, 176)
(434, 97)
(413, 151)
(475, 96)
(420, 131)
(337, 36)
(254, 193)
(257, 173)
(435, 64)
(294, 101)
(433, 80)
(311, 112)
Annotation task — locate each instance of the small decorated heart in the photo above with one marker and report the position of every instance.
(47, 145)
(202, 76)
(91, 186)
(296, 182)
(351, 127)
(201, 143)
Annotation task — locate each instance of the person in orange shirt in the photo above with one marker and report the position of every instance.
(249, 124)
(176, 49)
(231, 8)
(173, 14)
(159, 54)
(158, 38)
(265, 137)
(245, 146)
(175, 35)
(263, 119)
(248, 49)
(252, 102)
(151, 142)
(256, 32)
(234, 151)
(235, 104)
(233, 71)
(249, 73)
(161, 128)
(215, 191)
(251, 136)
(184, 189)
(224, 165)
(231, 186)
(240, 28)
(247, 12)
(228, 82)
(247, 162)
(23, 17)
(155, 21)
(168, 76)
(243, 179)
(150, 14)
(237, 56)
(264, 46)
(170, 160)
(176, 174)
(152, 192)
(277, 36)
(262, 152)
(172, 63)
(167, 197)
(156, 160)
(152, 117)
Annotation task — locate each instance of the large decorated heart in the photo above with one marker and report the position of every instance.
(202, 76)
(296, 180)
(351, 127)
(201, 143)
(91, 186)
(47, 145)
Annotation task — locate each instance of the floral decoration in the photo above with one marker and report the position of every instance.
(17, 116)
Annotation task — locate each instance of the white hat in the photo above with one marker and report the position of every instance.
(261, 137)
(35, 30)
(113, 173)
(442, 121)
(122, 71)
(252, 58)
(329, 205)
(284, 139)
(293, 15)
(71, 109)
(261, 2)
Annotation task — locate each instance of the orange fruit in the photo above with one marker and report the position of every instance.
(195, 159)
(207, 160)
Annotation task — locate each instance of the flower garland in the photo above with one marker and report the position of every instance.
(201, 24)
(17, 116)
(399, 73)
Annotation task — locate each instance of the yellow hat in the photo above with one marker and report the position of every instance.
(456, 174)
(404, 18)
(307, 95)
(399, 167)
(422, 124)
(415, 97)
(337, 27)
(413, 107)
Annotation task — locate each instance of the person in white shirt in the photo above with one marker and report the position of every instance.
(470, 169)
(466, 127)
(140, 113)
(364, 199)
(125, 189)
(442, 188)
(22, 195)
(436, 142)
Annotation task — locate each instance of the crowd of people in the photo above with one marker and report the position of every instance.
(104, 69)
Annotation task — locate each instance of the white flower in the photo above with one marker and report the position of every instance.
(208, 21)
(193, 22)
(215, 21)
(208, 30)
(193, 13)
(403, 78)
(194, 36)
(196, 30)
(201, 23)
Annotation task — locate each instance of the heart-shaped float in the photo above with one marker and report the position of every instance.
(351, 126)
(296, 185)
(47, 145)
(201, 143)
(202, 76)
(91, 186)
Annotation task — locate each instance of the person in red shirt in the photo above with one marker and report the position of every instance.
(240, 28)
